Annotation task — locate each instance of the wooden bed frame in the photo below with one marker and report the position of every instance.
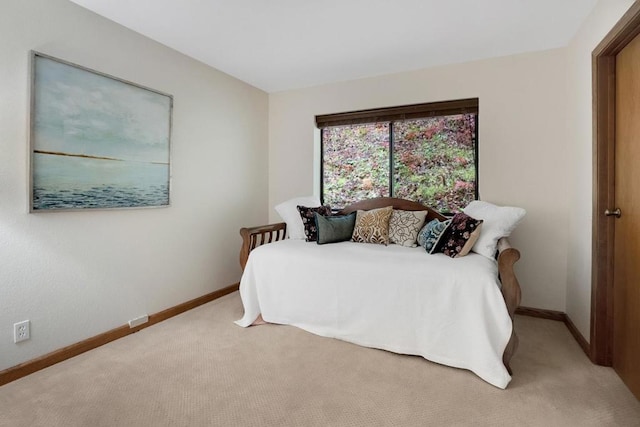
(506, 256)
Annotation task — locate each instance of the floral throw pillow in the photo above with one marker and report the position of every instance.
(372, 226)
(290, 215)
(430, 234)
(458, 239)
(309, 220)
(404, 227)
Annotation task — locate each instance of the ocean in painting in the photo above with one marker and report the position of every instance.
(71, 182)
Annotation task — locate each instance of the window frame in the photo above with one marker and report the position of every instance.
(392, 114)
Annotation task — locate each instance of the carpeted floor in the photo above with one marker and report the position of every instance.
(199, 369)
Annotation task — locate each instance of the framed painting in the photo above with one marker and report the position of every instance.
(96, 141)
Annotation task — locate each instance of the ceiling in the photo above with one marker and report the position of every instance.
(278, 45)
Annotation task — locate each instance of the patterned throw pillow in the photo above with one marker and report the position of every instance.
(372, 226)
(458, 239)
(404, 227)
(309, 221)
(430, 234)
(290, 215)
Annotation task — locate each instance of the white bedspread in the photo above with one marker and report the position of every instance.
(449, 311)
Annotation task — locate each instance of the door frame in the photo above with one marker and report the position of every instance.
(604, 121)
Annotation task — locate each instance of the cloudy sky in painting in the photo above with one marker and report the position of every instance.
(79, 112)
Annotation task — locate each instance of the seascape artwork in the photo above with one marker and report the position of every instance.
(97, 142)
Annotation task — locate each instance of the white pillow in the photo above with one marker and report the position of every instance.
(288, 211)
(499, 221)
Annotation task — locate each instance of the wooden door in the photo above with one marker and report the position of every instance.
(626, 274)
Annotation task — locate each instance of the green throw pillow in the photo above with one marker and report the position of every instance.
(332, 229)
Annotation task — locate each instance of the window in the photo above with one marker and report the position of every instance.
(423, 152)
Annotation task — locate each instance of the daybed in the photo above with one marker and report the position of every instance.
(453, 311)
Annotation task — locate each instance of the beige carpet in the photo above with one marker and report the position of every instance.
(199, 369)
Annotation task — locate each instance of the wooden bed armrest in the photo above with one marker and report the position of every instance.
(507, 257)
(252, 237)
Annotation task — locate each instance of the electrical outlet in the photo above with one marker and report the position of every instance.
(21, 331)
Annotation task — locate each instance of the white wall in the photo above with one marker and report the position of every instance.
(522, 146)
(580, 138)
(75, 275)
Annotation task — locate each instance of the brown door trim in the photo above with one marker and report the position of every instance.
(604, 89)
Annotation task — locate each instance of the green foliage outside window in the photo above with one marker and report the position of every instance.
(434, 161)
(355, 163)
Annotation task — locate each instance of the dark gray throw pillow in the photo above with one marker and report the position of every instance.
(333, 229)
